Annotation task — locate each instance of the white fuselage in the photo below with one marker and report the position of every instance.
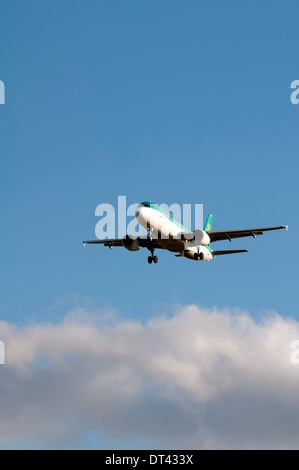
(167, 232)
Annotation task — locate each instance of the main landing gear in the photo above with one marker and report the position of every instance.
(151, 259)
(198, 256)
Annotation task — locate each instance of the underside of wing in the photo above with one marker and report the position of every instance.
(216, 235)
(107, 242)
(144, 242)
(228, 252)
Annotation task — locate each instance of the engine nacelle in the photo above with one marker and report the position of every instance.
(202, 238)
(199, 237)
(130, 243)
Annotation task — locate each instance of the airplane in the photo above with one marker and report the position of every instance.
(166, 233)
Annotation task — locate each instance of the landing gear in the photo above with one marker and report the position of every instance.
(151, 259)
(198, 256)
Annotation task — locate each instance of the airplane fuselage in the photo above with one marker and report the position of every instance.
(166, 230)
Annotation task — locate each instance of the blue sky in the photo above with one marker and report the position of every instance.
(169, 101)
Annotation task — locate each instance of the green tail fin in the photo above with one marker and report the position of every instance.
(209, 223)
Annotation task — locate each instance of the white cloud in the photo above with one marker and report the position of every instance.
(199, 379)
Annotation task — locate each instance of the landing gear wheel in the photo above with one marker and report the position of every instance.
(201, 256)
(149, 259)
(155, 259)
(196, 256)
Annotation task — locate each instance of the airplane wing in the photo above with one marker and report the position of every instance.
(216, 235)
(144, 242)
(106, 242)
(228, 252)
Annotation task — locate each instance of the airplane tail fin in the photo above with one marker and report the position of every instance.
(209, 223)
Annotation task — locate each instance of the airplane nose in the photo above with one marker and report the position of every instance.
(138, 210)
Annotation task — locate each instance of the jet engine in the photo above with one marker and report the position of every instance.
(130, 243)
(199, 237)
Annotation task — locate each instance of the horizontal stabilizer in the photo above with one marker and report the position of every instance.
(228, 252)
